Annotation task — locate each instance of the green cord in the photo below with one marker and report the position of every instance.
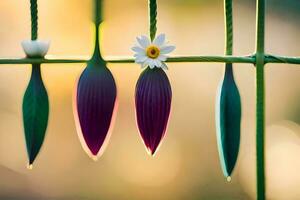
(97, 21)
(179, 59)
(98, 12)
(34, 19)
(260, 100)
(173, 59)
(153, 18)
(229, 32)
(260, 132)
(228, 26)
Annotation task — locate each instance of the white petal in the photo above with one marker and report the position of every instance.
(141, 59)
(164, 66)
(143, 41)
(138, 49)
(144, 65)
(155, 63)
(139, 55)
(147, 62)
(162, 57)
(159, 40)
(138, 58)
(167, 49)
(158, 63)
(152, 63)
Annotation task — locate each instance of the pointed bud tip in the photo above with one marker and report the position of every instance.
(151, 152)
(228, 179)
(29, 166)
(94, 158)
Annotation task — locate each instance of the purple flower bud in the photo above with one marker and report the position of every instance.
(153, 98)
(94, 107)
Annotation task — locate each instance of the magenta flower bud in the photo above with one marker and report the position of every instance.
(94, 107)
(153, 98)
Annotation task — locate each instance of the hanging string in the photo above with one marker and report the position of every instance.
(229, 27)
(228, 34)
(260, 99)
(98, 12)
(153, 18)
(34, 19)
(97, 22)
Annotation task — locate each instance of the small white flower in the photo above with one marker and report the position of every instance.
(35, 48)
(152, 54)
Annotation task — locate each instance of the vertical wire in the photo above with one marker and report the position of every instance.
(97, 21)
(152, 18)
(228, 27)
(228, 32)
(34, 19)
(260, 100)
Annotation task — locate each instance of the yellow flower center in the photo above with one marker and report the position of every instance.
(153, 52)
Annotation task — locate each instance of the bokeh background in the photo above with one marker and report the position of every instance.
(187, 165)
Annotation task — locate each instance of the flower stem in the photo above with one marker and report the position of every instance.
(228, 33)
(228, 26)
(152, 18)
(34, 19)
(260, 100)
(97, 22)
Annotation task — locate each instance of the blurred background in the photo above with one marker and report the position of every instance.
(187, 165)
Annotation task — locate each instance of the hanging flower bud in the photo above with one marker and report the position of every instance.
(94, 107)
(153, 97)
(153, 93)
(228, 122)
(35, 113)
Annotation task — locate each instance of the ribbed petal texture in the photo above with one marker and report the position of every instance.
(95, 105)
(228, 122)
(153, 104)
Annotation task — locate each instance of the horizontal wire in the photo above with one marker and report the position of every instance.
(175, 59)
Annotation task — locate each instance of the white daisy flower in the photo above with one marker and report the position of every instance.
(152, 54)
